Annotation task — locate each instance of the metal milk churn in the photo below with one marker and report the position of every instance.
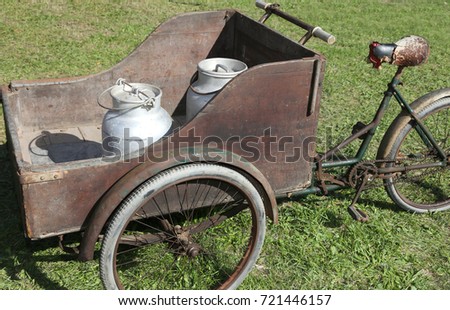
(135, 120)
(212, 75)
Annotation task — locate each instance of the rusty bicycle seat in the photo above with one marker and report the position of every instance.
(408, 51)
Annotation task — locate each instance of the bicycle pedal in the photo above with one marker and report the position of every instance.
(357, 128)
(358, 215)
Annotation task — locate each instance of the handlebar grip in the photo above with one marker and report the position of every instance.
(261, 4)
(323, 35)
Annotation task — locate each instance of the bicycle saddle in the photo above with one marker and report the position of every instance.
(408, 51)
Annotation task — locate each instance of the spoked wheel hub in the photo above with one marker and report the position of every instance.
(181, 240)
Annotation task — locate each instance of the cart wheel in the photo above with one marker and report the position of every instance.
(197, 226)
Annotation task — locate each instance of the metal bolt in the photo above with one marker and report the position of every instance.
(177, 229)
(193, 251)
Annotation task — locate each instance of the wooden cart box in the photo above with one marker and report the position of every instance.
(266, 117)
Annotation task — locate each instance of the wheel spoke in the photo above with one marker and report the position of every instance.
(140, 240)
(216, 220)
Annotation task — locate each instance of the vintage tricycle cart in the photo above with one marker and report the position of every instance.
(189, 211)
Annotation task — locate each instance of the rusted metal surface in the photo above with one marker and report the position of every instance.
(37, 177)
(263, 123)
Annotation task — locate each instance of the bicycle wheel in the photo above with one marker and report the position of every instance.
(197, 226)
(425, 189)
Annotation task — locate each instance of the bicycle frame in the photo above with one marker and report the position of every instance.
(328, 160)
(366, 133)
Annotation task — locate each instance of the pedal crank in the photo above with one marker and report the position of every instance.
(356, 214)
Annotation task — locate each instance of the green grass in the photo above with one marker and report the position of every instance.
(316, 244)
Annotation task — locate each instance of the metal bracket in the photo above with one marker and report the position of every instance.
(38, 177)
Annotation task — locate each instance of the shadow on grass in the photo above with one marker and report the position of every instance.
(16, 254)
(364, 200)
(331, 218)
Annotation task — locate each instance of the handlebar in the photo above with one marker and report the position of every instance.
(261, 4)
(317, 32)
(323, 35)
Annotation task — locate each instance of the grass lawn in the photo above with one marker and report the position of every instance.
(316, 244)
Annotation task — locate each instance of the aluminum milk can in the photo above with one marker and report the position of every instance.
(212, 75)
(135, 120)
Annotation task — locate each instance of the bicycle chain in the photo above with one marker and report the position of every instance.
(376, 176)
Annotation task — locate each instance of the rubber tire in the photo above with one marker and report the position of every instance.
(131, 204)
(398, 131)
